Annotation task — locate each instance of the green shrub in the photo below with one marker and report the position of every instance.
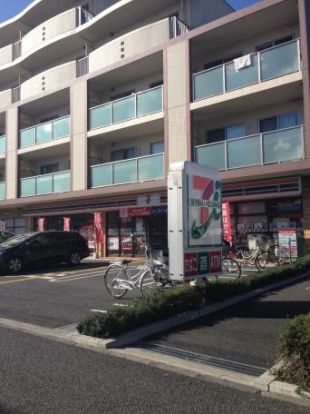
(294, 350)
(169, 302)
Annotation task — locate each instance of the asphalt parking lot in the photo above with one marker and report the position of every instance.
(58, 297)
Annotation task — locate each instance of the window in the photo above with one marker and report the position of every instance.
(123, 154)
(219, 62)
(272, 43)
(49, 118)
(232, 131)
(287, 120)
(49, 168)
(122, 95)
(157, 147)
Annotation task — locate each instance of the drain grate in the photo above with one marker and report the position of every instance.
(205, 359)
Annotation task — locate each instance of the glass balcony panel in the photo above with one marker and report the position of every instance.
(279, 61)
(209, 83)
(285, 145)
(2, 145)
(151, 168)
(124, 109)
(44, 133)
(244, 152)
(28, 187)
(212, 156)
(100, 116)
(236, 79)
(125, 172)
(101, 175)
(149, 102)
(62, 182)
(27, 137)
(44, 184)
(61, 128)
(2, 191)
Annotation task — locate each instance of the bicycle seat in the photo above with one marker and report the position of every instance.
(126, 261)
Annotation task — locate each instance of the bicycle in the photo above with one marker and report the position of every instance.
(119, 277)
(254, 258)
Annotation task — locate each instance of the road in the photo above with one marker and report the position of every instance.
(41, 376)
(246, 333)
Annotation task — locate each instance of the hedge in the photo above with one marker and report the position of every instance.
(165, 303)
(294, 351)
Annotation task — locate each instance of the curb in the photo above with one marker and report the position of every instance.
(161, 326)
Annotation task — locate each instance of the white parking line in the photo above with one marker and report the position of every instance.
(74, 277)
(121, 305)
(98, 310)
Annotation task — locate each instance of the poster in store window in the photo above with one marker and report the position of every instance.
(288, 242)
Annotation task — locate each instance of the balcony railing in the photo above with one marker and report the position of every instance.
(131, 107)
(49, 131)
(260, 149)
(2, 190)
(2, 144)
(45, 184)
(150, 167)
(269, 64)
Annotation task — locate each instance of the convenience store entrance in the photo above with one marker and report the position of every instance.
(126, 236)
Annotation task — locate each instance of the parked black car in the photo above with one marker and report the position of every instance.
(5, 235)
(34, 248)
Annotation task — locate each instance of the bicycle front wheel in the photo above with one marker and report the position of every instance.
(231, 268)
(260, 262)
(149, 283)
(114, 279)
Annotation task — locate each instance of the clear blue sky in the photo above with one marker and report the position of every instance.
(9, 8)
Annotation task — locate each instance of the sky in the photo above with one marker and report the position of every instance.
(9, 8)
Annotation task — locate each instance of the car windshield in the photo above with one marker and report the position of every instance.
(13, 241)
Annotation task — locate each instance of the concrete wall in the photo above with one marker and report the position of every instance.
(6, 55)
(11, 153)
(79, 157)
(5, 98)
(177, 95)
(129, 45)
(56, 26)
(49, 79)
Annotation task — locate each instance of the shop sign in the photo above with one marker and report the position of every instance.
(148, 200)
(194, 221)
(41, 224)
(139, 212)
(67, 221)
(126, 243)
(227, 234)
(250, 227)
(98, 227)
(113, 243)
(288, 242)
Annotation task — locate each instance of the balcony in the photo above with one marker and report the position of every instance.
(2, 145)
(260, 149)
(150, 167)
(59, 182)
(2, 190)
(266, 65)
(42, 133)
(133, 106)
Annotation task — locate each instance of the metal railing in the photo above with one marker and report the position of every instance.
(2, 190)
(45, 132)
(124, 109)
(58, 182)
(177, 27)
(83, 16)
(259, 149)
(149, 167)
(268, 64)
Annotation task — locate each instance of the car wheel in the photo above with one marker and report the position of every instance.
(15, 265)
(75, 258)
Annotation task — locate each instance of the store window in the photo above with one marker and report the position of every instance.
(123, 154)
(287, 120)
(16, 226)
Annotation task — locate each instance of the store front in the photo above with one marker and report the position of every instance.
(127, 230)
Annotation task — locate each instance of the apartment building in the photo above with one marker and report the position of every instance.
(97, 98)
